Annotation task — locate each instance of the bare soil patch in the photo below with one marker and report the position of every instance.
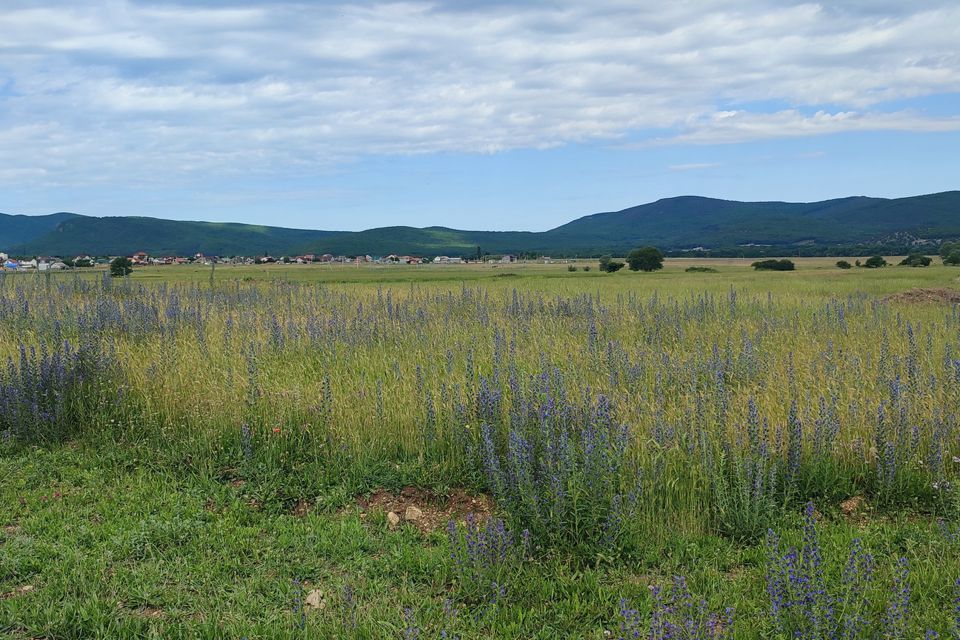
(424, 509)
(926, 296)
(19, 591)
(855, 509)
(301, 508)
(152, 613)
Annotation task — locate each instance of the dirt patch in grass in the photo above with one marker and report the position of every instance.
(11, 530)
(18, 592)
(231, 476)
(926, 296)
(424, 509)
(146, 611)
(301, 508)
(855, 509)
(735, 572)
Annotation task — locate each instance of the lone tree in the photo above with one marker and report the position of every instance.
(645, 259)
(952, 259)
(121, 266)
(875, 262)
(609, 265)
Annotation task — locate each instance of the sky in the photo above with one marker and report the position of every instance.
(470, 114)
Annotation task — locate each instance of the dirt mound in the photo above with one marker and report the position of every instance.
(926, 296)
(855, 509)
(424, 509)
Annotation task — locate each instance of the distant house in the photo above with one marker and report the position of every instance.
(441, 260)
(58, 266)
(3, 257)
(140, 257)
(508, 259)
(10, 265)
(201, 258)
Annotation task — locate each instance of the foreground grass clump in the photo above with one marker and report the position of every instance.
(196, 467)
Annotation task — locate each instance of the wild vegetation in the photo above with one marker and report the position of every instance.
(498, 453)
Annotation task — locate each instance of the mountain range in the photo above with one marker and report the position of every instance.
(679, 224)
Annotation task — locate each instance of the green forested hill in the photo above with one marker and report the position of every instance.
(672, 223)
(18, 230)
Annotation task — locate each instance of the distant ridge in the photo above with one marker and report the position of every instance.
(679, 224)
(19, 230)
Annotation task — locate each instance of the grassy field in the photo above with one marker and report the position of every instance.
(512, 451)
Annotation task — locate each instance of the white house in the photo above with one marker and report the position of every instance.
(3, 257)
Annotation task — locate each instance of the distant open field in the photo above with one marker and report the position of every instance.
(477, 451)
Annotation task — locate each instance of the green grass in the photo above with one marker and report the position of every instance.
(148, 520)
(113, 549)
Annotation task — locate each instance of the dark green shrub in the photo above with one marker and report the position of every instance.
(774, 265)
(953, 258)
(875, 262)
(916, 260)
(843, 264)
(700, 270)
(609, 265)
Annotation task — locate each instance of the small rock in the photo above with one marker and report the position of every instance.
(413, 514)
(392, 519)
(314, 600)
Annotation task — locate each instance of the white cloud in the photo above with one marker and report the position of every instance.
(153, 91)
(743, 125)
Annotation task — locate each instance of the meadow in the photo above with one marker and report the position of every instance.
(447, 451)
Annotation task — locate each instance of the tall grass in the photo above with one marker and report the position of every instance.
(734, 406)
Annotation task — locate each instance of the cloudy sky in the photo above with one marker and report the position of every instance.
(492, 114)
